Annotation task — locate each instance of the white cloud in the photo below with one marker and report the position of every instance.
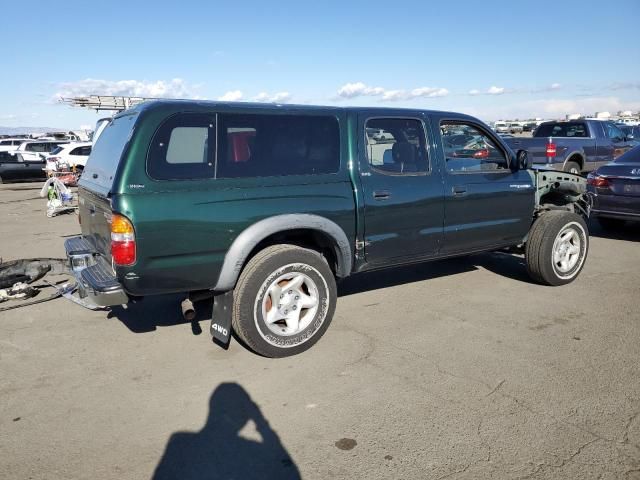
(493, 90)
(280, 97)
(176, 88)
(231, 96)
(555, 86)
(357, 89)
(474, 91)
(393, 95)
(429, 92)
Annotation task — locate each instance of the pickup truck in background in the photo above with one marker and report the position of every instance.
(574, 146)
(13, 166)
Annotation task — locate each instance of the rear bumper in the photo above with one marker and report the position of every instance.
(97, 282)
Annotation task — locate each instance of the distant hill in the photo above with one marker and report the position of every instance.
(26, 130)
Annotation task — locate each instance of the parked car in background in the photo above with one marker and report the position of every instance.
(615, 190)
(529, 127)
(515, 127)
(7, 144)
(501, 127)
(34, 150)
(74, 154)
(14, 167)
(632, 122)
(574, 146)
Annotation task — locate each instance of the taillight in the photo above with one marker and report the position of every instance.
(598, 181)
(123, 241)
(551, 149)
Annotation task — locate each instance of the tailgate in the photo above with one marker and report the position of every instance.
(95, 218)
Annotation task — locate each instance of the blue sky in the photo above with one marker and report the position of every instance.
(490, 59)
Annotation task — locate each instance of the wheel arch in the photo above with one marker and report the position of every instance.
(576, 157)
(307, 230)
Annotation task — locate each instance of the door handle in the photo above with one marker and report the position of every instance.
(381, 195)
(459, 190)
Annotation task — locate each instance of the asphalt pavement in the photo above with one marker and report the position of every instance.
(461, 369)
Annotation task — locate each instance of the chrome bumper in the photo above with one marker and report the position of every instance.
(97, 283)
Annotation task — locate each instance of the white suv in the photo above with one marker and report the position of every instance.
(7, 144)
(74, 154)
(34, 150)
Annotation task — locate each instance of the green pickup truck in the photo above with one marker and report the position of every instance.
(264, 207)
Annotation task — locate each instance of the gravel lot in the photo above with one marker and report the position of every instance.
(460, 369)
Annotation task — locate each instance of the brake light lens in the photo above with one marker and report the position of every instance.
(123, 241)
(551, 149)
(598, 181)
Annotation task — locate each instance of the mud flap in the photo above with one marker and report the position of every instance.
(221, 318)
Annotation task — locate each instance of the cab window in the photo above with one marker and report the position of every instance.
(396, 146)
(277, 145)
(183, 148)
(468, 149)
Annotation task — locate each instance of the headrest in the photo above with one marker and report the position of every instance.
(404, 152)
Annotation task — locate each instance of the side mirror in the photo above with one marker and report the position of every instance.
(629, 138)
(522, 159)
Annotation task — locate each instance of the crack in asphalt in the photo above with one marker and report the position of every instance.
(596, 437)
(563, 463)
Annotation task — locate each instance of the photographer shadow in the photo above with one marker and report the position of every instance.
(221, 451)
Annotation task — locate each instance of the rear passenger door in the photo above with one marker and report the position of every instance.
(487, 204)
(402, 191)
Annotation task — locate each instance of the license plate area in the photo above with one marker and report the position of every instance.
(631, 189)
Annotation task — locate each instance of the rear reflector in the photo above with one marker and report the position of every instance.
(123, 241)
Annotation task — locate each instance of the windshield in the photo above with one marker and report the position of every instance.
(106, 153)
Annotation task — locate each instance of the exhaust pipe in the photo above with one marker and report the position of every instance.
(188, 310)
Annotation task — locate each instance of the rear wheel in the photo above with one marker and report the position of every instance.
(572, 167)
(284, 300)
(557, 247)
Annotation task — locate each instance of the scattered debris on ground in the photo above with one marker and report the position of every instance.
(16, 277)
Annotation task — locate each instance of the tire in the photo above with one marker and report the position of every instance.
(610, 223)
(259, 287)
(557, 248)
(573, 167)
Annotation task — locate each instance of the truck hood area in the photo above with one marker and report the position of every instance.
(561, 189)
